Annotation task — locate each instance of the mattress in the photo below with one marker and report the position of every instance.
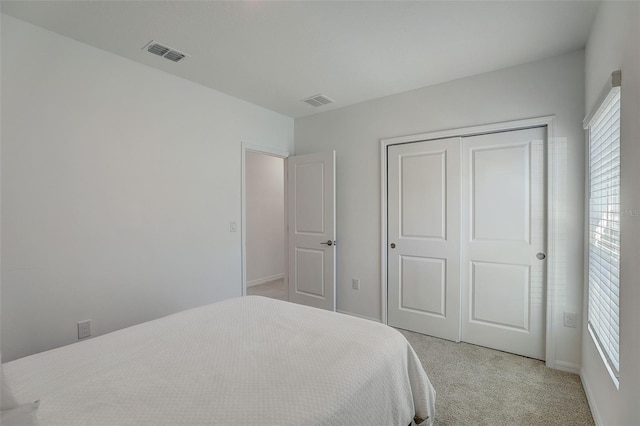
(249, 360)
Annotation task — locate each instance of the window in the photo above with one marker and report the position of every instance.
(603, 127)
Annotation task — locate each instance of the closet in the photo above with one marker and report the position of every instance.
(467, 239)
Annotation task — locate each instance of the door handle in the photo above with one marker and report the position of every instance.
(541, 256)
(329, 243)
(393, 245)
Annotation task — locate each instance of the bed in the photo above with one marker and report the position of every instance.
(248, 360)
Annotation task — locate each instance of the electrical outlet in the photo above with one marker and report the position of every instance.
(355, 283)
(84, 329)
(570, 320)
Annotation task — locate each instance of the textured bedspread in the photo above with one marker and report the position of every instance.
(242, 361)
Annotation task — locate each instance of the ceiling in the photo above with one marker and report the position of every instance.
(275, 53)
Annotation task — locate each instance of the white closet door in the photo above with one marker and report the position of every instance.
(424, 237)
(503, 241)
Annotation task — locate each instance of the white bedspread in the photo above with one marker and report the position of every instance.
(242, 361)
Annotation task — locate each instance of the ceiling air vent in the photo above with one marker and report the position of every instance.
(174, 56)
(165, 51)
(318, 100)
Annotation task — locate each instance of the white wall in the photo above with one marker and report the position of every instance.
(265, 217)
(613, 45)
(118, 185)
(551, 86)
(0, 186)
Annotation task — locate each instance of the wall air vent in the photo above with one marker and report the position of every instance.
(164, 51)
(318, 100)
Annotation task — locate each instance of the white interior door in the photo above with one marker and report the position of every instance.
(503, 241)
(424, 237)
(312, 230)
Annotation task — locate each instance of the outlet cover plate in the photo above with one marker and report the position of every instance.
(84, 329)
(570, 320)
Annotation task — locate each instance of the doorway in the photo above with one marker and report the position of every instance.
(464, 239)
(307, 225)
(264, 218)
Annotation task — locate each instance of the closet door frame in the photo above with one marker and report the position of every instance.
(546, 121)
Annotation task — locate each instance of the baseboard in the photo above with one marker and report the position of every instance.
(264, 280)
(569, 367)
(591, 400)
(359, 316)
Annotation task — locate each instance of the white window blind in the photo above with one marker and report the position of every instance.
(604, 226)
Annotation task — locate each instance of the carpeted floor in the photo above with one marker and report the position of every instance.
(273, 289)
(480, 386)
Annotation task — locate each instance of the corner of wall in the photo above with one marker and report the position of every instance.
(590, 398)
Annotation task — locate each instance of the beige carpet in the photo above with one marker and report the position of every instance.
(273, 289)
(480, 386)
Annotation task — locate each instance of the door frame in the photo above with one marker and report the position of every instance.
(551, 284)
(273, 152)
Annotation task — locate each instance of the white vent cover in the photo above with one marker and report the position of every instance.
(164, 51)
(318, 100)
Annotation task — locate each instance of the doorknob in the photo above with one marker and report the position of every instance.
(329, 243)
(393, 245)
(541, 256)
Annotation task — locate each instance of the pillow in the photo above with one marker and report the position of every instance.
(11, 413)
(22, 415)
